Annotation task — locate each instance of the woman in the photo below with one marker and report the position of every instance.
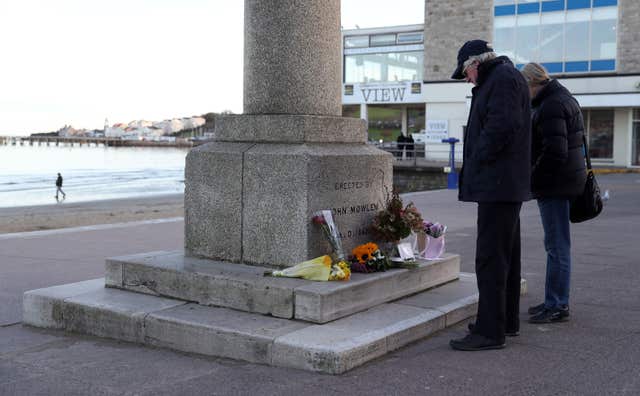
(558, 176)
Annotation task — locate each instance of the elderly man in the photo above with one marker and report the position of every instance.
(495, 174)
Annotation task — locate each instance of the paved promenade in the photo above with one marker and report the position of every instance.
(596, 353)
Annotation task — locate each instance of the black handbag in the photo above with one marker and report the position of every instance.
(588, 204)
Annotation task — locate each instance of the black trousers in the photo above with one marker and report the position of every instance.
(498, 268)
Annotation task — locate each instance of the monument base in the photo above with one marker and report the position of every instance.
(245, 288)
(90, 308)
(252, 203)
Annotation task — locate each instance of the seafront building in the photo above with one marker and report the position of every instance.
(398, 77)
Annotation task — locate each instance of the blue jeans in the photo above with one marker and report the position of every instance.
(557, 242)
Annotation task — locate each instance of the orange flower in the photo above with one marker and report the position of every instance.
(364, 253)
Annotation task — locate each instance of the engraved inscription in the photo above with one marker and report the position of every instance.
(355, 209)
(352, 185)
(358, 232)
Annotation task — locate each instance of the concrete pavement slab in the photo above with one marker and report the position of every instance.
(12, 372)
(407, 370)
(16, 339)
(56, 258)
(53, 384)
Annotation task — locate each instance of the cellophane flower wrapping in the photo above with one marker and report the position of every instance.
(317, 269)
(324, 219)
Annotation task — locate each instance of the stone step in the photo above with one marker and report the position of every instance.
(335, 347)
(245, 288)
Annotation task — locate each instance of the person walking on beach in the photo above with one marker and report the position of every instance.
(558, 175)
(59, 187)
(495, 173)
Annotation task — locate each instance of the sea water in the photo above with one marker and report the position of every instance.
(28, 173)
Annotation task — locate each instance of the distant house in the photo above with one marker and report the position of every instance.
(114, 132)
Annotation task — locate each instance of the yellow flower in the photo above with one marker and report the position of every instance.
(340, 271)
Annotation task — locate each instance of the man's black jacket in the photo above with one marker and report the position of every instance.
(559, 168)
(497, 140)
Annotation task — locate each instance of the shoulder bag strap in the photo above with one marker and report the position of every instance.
(586, 152)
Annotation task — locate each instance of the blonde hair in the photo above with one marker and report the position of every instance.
(480, 58)
(535, 74)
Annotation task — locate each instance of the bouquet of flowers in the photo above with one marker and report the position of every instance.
(396, 221)
(434, 230)
(318, 269)
(368, 258)
(434, 243)
(324, 219)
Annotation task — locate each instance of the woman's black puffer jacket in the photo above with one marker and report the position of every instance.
(558, 164)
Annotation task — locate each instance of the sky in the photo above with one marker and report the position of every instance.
(77, 62)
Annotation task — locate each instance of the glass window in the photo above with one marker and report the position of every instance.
(415, 119)
(504, 37)
(394, 66)
(635, 144)
(603, 33)
(527, 27)
(356, 41)
(580, 38)
(635, 139)
(352, 111)
(551, 37)
(385, 123)
(601, 133)
(408, 38)
(379, 40)
(577, 35)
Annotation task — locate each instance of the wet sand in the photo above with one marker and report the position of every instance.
(69, 214)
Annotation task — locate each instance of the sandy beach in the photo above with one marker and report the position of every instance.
(70, 214)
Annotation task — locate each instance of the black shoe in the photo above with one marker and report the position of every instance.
(551, 316)
(536, 309)
(476, 342)
(516, 333)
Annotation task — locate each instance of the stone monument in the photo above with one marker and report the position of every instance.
(249, 199)
(251, 193)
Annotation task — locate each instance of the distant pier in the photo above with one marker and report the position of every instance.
(91, 141)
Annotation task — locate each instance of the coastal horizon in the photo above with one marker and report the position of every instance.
(89, 173)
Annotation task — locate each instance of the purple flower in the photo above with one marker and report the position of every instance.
(434, 230)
